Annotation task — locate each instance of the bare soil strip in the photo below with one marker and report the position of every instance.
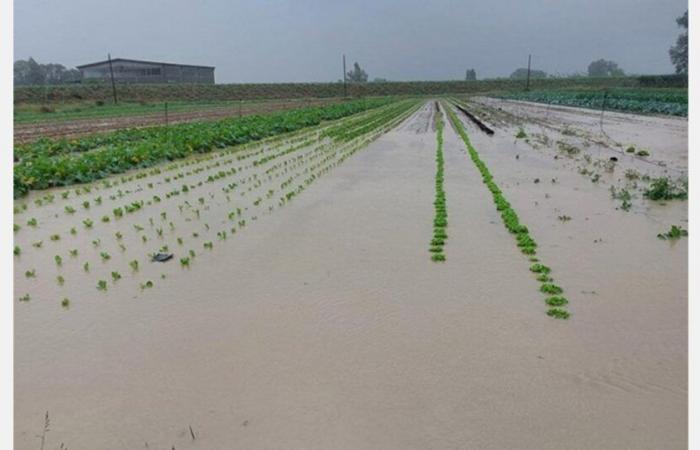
(82, 127)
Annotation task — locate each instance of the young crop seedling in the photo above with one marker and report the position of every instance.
(664, 189)
(676, 232)
(540, 268)
(59, 260)
(551, 288)
(147, 285)
(101, 285)
(65, 303)
(32, 222)
(556, 301)
(25, 298)
(30, 273)
(558, 313)
(105, 256)
(116, 276)
(17, 251)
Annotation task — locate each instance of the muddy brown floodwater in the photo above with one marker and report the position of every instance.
(323, 323)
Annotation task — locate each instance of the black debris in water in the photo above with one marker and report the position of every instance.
(162, 257)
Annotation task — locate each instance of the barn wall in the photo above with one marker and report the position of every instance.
(144, 73)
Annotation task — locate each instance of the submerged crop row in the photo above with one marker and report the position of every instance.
(437, 244)
(180, 219)
(525, 242)
(60, 163)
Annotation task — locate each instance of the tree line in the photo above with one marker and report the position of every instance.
(29, 72)
(605, 68)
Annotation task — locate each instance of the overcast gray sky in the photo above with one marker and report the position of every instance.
(302, 40)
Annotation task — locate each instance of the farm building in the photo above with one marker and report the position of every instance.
(134, 71)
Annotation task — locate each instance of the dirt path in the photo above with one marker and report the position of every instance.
(326, 325)
(81, 127)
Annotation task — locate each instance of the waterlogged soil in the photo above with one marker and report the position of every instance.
(322, 323)
(81, 127)
(665, 138)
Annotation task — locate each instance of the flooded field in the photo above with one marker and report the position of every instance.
(301, 307)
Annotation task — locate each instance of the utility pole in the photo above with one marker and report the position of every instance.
(602, 109)
(111, 74)
(527, 85)
(345, 79)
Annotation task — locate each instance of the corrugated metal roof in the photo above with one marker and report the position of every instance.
(143, 62)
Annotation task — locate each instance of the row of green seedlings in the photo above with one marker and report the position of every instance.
(303, 137)
(138, 205)
(253, 148)
(120, 194)
(388, 122)
(556, 302)
(134, 206)
(437, 244)
(169, 143)
(185, 261)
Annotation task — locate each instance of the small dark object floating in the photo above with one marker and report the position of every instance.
(162, 257)
(613, 158)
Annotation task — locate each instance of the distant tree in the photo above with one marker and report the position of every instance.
(30, 72)
(521, 74)
(679, 52)
(71, 76)
(604, 68)
(380, 80)
(21, 72)
(357, 75)
(470, 75)
(53, 73)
